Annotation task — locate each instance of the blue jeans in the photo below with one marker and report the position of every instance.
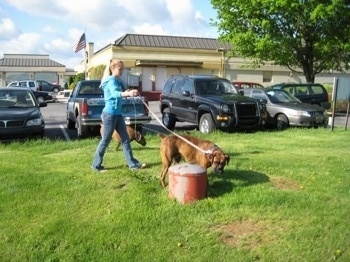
(111, 123)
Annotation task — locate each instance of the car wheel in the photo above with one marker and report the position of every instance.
(206, 124)
(168, 119)
(83, 131)
(282, 122)
(70, 123)
(56, 90)
(40, 99)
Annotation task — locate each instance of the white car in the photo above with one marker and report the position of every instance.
(32, 84)
(63, 96)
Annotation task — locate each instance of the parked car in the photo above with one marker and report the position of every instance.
(49, 87)
(285, 110)
(210, 102)
(41, 96)
(63, 96)
(240, 85)
(32, 84)
(20, 114)
(315, 94)
(85, 105)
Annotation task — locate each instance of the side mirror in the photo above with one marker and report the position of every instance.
(186, 93)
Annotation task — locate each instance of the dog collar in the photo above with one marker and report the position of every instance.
(212, 149)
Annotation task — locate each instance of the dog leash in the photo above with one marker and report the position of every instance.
(184, 139)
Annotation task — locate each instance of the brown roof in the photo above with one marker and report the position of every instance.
(163, 41)
(24, 60)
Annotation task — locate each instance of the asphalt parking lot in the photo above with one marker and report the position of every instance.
(55, 119)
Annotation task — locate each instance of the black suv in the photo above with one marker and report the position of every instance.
(47, 86)
(210, 102)
(315, 94)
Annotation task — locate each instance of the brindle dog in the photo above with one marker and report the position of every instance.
(173, 148)
(133, 135)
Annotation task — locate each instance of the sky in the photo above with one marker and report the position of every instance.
(52, 27)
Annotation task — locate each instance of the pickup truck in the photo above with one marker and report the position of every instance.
(85, 105)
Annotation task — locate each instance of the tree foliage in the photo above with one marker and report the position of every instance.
(76, 79)
(97, 72)
(309, 36)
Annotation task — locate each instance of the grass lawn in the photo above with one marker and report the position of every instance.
(285, 196)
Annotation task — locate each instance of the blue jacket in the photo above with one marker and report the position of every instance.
(112, 89)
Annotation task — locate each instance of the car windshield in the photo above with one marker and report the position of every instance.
(16, 98)
(281, 96)
(215, 87)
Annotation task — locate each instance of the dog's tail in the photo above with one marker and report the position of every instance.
(161, 135)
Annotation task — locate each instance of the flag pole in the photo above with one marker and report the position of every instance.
(85, 58)
(85, 63)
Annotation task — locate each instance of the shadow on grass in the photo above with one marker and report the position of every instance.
(156, 128)
(225, 183)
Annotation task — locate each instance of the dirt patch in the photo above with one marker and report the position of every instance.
(246, 234)
(285, 183)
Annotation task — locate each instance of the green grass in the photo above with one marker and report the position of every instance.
(285, 196)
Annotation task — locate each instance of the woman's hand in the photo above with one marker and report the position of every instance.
(132, 92)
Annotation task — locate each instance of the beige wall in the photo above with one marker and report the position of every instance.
(235, 68)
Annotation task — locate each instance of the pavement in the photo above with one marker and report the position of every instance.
(339, 121)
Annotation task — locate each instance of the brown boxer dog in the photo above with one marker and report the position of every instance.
(133, 135)
(173, 148)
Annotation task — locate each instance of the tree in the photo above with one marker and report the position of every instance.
(310, 36)
(97, 72)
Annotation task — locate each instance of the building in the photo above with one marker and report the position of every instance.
(30, 66)
(151, 59)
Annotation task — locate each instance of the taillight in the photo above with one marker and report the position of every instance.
(84, 108)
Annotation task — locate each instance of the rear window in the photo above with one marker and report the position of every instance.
(90, 89)
(317, 89)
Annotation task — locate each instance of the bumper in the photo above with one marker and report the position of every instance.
(228, 122)
(13, 133)
(137, 120)
(308, 121)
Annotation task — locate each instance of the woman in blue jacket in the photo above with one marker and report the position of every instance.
(112, 118)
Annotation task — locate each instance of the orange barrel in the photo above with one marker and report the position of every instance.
(187, 182)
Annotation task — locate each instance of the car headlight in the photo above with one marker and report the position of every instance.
(225, 108)
(34, 122)
(262, 108)
(303, 113)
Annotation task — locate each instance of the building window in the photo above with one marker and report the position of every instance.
(267, 76)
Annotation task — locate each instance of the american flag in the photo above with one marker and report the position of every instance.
(80, 44)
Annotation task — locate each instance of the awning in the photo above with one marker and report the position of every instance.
(167, 63)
